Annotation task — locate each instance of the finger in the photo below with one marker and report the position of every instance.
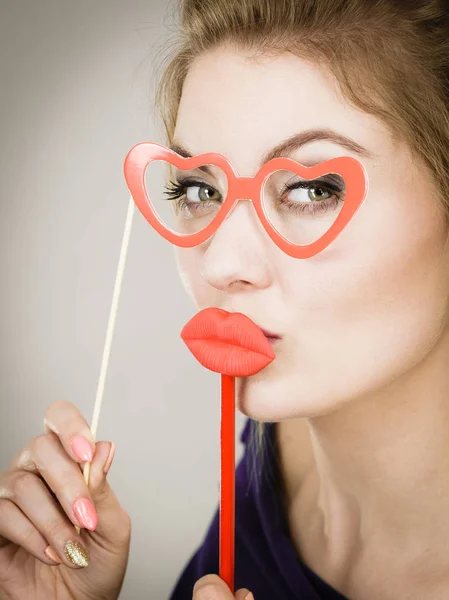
(212, 586)
(66, 421)
(15, 527)
(114, 523)
(29, 495)
(244, 594)
(47, 458)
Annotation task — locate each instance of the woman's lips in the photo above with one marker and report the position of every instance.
(228, 343)
(271, 337)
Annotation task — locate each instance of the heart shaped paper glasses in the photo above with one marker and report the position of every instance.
(300, 229)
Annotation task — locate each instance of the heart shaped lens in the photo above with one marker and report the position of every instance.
(185, 201)
(302, 210)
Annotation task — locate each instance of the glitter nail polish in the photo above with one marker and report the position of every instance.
(76, 553)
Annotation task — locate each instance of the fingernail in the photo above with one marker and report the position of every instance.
(82, 448)
(85, 513)
(76, 554)
(52, 555)
(108, 463)
(249, 596)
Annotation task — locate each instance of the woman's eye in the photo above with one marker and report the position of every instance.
(309, 194)
(201, 193)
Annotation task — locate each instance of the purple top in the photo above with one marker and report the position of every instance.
(266, 561)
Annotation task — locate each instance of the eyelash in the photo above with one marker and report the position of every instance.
(177, 189)
(319, 205)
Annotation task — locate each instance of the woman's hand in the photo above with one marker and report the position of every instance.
(212, 587)
(42, 496)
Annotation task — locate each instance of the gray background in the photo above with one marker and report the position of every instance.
(75, 96)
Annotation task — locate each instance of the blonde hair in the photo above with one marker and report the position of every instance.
(390, 58)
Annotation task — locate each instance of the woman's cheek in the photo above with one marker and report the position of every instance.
(185, 271)
(188, 262)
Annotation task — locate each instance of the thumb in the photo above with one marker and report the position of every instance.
(113, 522)
(212, 586)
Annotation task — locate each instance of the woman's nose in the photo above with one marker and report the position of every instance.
(236, 258)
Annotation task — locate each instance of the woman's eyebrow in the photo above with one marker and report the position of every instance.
(182, 151)
(294, 142)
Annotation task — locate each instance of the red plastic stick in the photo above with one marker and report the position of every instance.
(227, 488)
(233, 345)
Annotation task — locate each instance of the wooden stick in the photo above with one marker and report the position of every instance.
(110, 331)
(227, 486)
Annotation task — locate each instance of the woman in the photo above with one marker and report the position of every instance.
(356, 404)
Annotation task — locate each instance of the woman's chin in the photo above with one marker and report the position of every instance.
(273, 401)
(257, 401)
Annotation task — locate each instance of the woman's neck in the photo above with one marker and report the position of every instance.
(367, 487)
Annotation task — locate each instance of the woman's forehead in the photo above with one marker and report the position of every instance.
(234, 107)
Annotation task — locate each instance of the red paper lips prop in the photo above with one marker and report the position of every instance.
(227, 343)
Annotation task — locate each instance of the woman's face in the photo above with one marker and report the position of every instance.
(362, 312)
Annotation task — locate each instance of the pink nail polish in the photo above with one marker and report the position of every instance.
(85, 513)
(82, 448)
